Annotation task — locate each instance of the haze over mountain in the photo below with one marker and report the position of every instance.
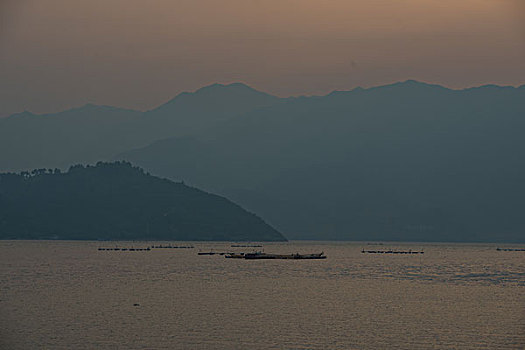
(406, 161)
(119, 202)
(85, 134)
(91, 133)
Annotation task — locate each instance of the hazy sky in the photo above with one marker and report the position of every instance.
(55, 54)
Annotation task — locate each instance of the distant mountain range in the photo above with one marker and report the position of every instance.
(92, 133)
(406, 161)
(116, 201)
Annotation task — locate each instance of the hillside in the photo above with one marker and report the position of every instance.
(407, 161)
(117, 201)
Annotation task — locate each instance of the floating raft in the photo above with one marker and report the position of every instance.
(392, 251)
(260, 255)
(172, 246)
(213, 253)
(127, 249)
(511, 249)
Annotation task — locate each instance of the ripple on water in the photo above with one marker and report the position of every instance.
(65, 295)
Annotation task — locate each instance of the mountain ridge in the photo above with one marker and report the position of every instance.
(213, 85)
(430, 143)
(405, 161)
(90, 133)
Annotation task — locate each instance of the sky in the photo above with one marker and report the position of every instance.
(57, 54)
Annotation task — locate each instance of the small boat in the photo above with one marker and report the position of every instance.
(296, 256)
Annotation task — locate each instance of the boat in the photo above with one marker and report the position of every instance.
(261, 255)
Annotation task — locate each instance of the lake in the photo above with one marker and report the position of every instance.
(69, 295)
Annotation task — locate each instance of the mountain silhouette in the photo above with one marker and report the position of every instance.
(92, 133)
(117, 201)
(406, 161)
(84, 134)
(205, 108)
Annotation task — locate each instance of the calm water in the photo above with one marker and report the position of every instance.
(69, 295)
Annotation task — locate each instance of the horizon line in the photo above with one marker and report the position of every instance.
(240, 83)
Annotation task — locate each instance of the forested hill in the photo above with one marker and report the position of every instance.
(117, 201)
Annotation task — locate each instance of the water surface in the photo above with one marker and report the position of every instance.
(69, 295)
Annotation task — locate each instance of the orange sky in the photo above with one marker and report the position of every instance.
(55, 54)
